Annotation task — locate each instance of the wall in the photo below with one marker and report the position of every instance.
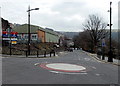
(41, 35)
(23, 37)
(51, 38)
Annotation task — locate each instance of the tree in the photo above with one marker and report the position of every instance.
(82, 40)
(5, 24)
(95, 27)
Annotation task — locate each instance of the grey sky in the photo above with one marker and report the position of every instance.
(60, 15)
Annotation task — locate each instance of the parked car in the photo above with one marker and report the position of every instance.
(70, 49)
(56, 45)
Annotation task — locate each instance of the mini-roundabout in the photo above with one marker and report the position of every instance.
(64, 68)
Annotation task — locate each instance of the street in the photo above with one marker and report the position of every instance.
(47, 71)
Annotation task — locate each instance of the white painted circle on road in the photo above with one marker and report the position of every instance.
(65, 67)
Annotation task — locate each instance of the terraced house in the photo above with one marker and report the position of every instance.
(37, 34)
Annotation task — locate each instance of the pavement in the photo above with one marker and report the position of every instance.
(57, 54)
(115, 61)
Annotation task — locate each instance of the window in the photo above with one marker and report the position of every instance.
(19, 37)
(34, 36)
(26, 36)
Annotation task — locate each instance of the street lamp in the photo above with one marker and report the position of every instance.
(29, 27)
(110, 53)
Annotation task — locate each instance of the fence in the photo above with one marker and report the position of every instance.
(35, 49)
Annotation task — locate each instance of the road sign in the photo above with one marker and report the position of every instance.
(4, 34)
(103, 43)
(9, 39)
(13, 42)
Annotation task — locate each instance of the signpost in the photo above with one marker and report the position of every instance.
(103, 49)
(12, 37)
(103, 43)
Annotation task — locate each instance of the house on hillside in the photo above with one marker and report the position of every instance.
(68, 42)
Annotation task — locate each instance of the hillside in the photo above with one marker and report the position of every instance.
(24, 28)
(114, 34)
(70, 34)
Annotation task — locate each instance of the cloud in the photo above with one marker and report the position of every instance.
(64, 15)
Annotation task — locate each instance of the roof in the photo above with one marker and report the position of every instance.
(51, 32)
(24, 28)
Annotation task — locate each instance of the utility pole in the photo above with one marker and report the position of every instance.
(110, 58)
(29, 30)
(29, 27)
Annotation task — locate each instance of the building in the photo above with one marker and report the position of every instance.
(8, 35)
(5, 24)
(37, 34)
(51, 36)
(23, 33)
(41, 35)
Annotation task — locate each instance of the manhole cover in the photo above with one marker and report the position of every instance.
(64, 67)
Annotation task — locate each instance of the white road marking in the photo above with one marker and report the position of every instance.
(66, 72)
(65, 66)
(36, 64)
(44, 62)
(94, 67)
(82, 71)
(87, 59)
(97, 74)
(54, 71)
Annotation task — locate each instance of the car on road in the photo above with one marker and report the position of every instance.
(69, 49)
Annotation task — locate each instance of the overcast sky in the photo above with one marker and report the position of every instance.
(60, 15)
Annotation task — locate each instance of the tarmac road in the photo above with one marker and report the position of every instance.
(29, 71)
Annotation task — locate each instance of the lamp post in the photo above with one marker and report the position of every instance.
(110, 53)
(29, 27)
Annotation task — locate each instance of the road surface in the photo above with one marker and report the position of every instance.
(71, 68)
